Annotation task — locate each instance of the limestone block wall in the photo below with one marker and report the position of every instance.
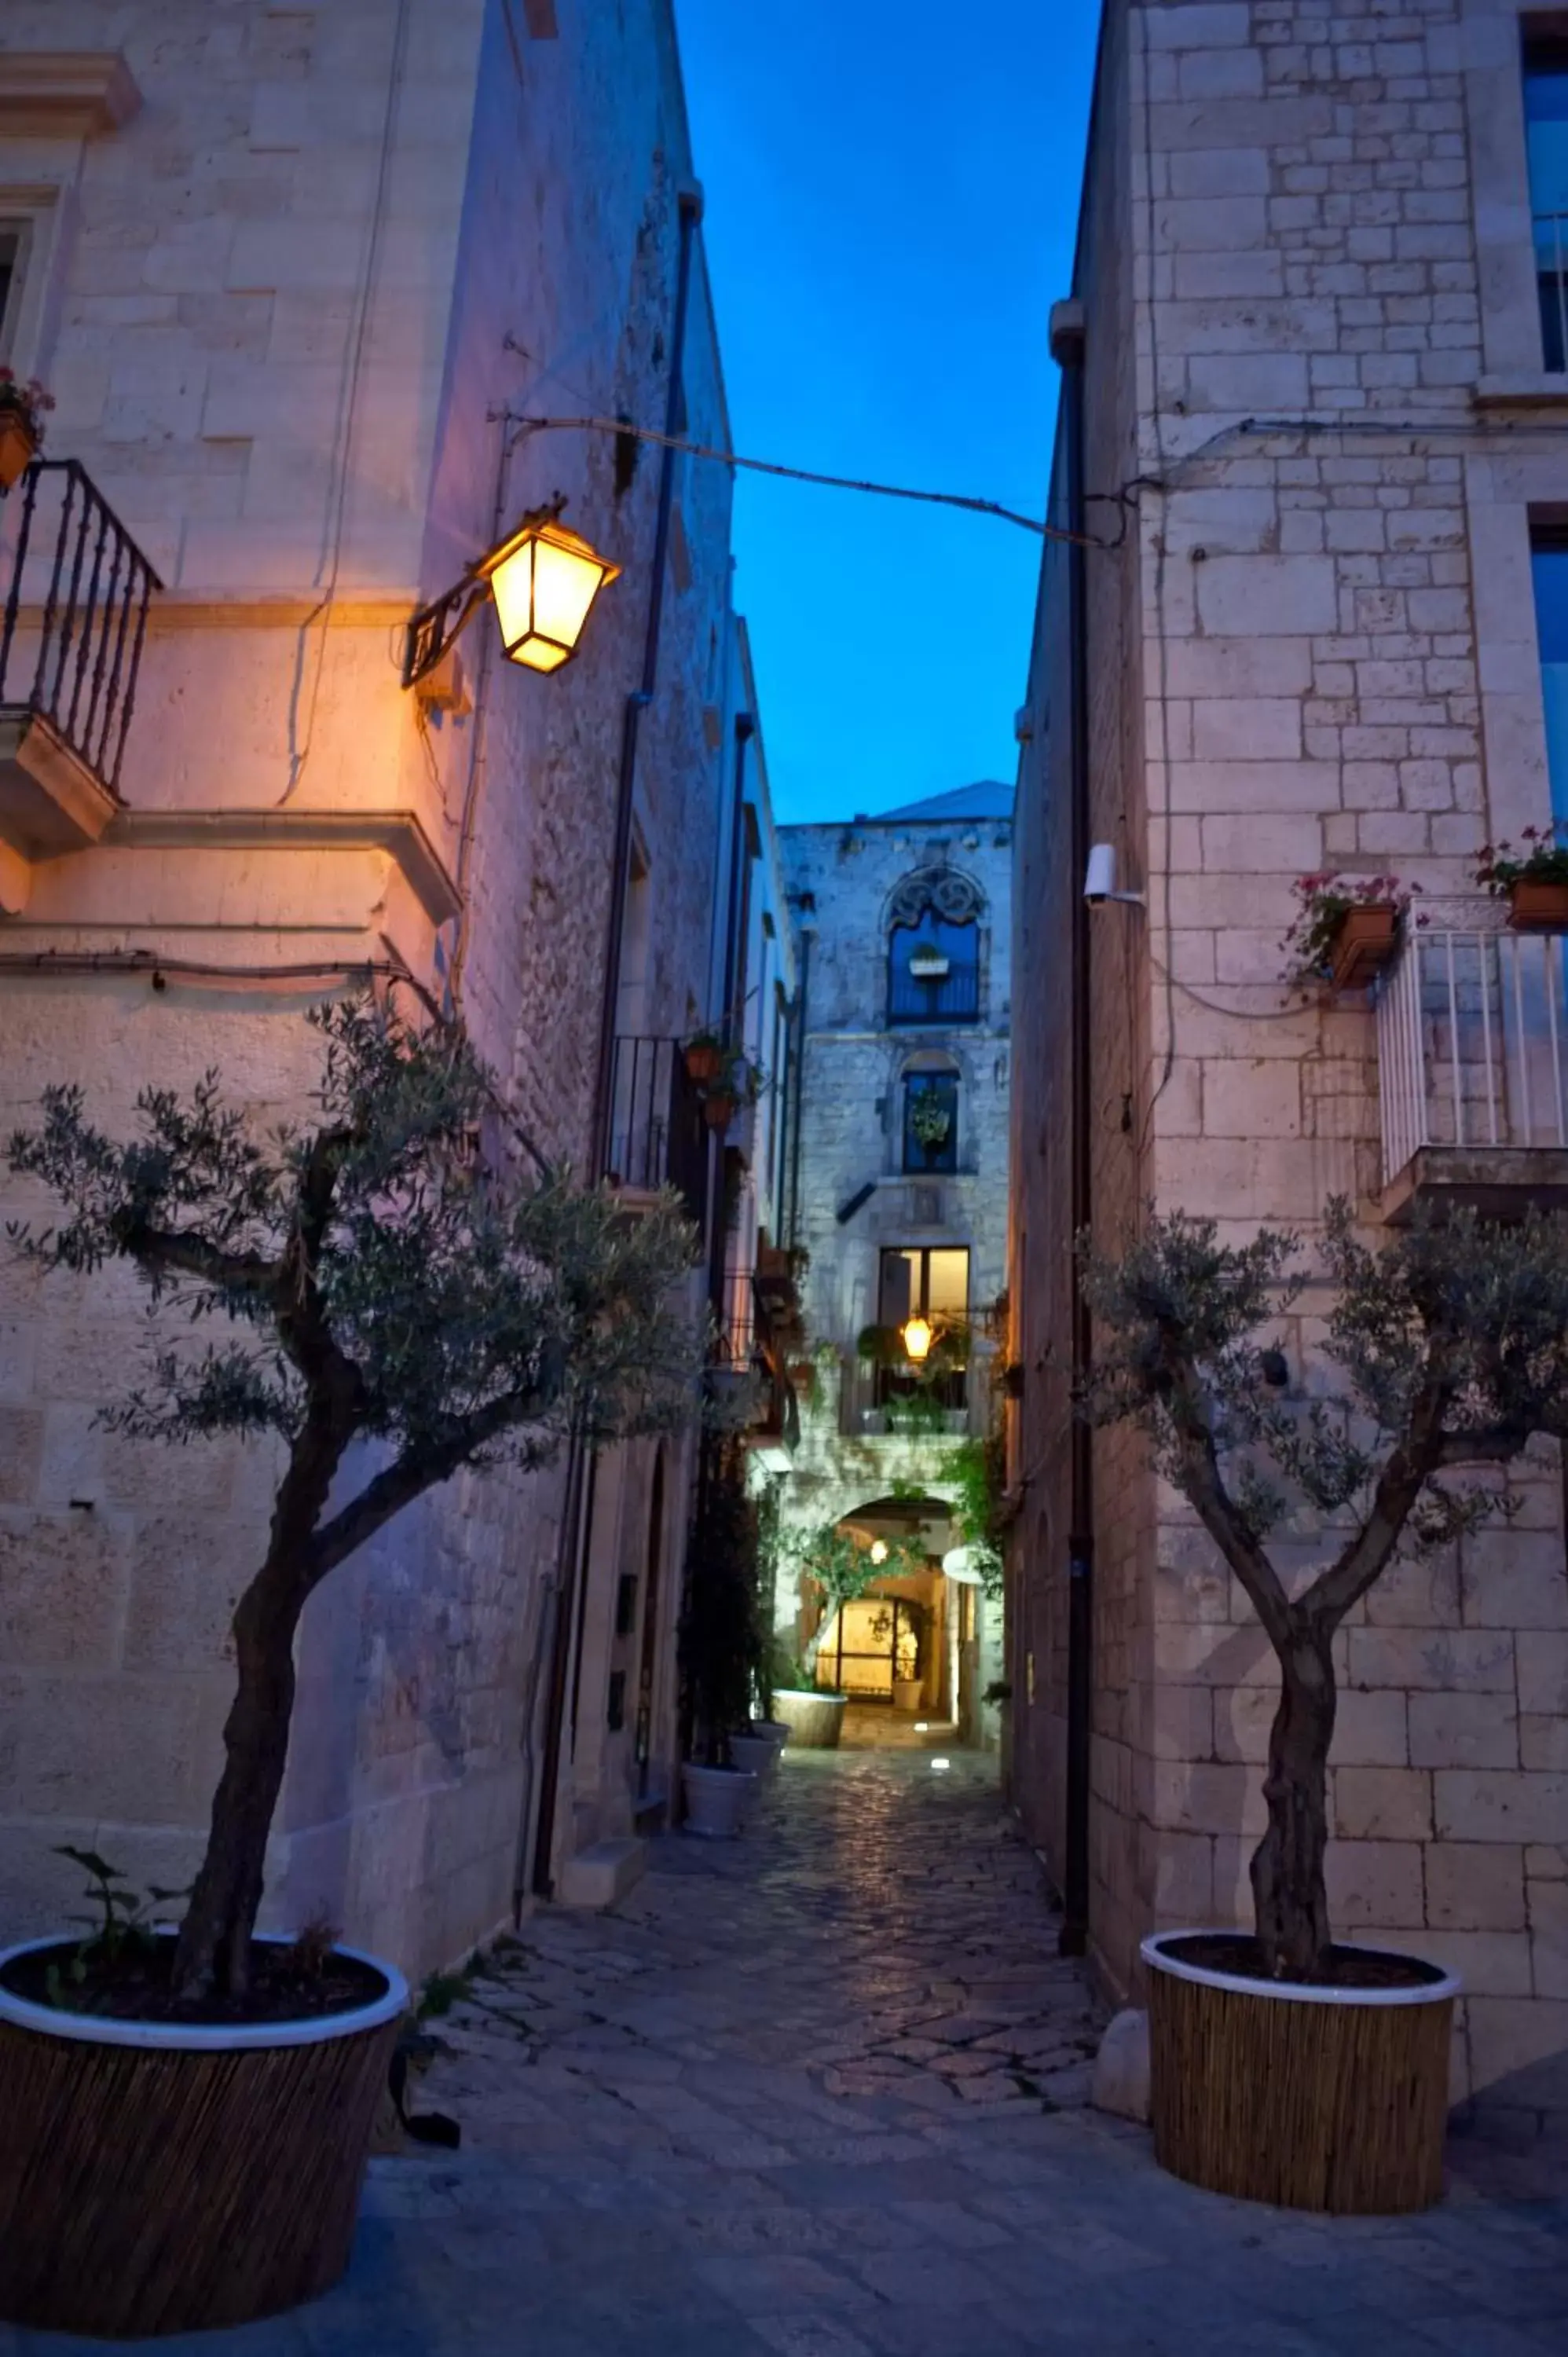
(1334, 666)
(283, 318)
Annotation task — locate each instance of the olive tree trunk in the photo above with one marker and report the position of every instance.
(1289, 1892)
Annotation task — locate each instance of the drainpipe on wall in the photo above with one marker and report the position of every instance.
(572, 1556)
(1067, 348)
(802, 992)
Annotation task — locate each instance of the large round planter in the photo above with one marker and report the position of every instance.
(776, 1729)
(908, 1693)
(158, 2179)
(716, 1800)
(1327, 2099)
(815, 1721)
(757, 1755)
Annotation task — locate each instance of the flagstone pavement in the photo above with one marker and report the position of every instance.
(821, 2093)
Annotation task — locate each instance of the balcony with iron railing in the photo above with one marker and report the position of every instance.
(658, 1134)
(1551, 231)
(77, 590)
(1473, 1069)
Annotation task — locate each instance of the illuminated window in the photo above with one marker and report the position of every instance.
(1546, 138)
(930, 1282)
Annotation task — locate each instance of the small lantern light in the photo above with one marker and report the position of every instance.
(917, 1339)
(544, 580)
(878, 1550)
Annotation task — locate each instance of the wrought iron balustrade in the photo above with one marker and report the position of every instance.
(75, 615)
(935, 999)
(659, 1136)
(1473, 1043)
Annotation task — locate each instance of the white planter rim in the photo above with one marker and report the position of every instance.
(1153, 1951)
(203, 2036)
(808, 1693)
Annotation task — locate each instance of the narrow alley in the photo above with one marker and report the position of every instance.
(821, 2093)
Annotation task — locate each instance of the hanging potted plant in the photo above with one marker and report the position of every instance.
(1346, 929)
(931, 1122)
(1535, 884)
(704, 1056)
(735, 1086)
(184, 2118)
(720, 1644)
(23, 408)
(1290, 2067)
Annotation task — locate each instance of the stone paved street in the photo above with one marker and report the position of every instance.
(820, 2095)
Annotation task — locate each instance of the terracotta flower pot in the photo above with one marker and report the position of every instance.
(718, 1110)
(703, 1062)
(18, 447)
(156, 2177)
(1364, 945)
(1312, 2098)
(1538, 905)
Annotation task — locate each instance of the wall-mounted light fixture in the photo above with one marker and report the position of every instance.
(878, 1550)
(1100, 878)
(543, 580)
(918, 1337)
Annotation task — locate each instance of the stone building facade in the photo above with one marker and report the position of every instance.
(894, 1224)
(293, 275)
(1312, 413)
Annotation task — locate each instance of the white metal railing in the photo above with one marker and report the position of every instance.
(1473, 1043)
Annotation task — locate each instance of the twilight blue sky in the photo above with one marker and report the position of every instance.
(892, 189)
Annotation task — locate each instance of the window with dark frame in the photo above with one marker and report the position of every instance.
(933, 971)
(10, 283)
(1546, 145)
(931, 1120)
(1549, 569)
(928, 1281)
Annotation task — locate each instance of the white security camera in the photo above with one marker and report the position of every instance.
(1100, 878)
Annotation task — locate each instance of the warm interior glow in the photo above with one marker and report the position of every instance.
(878, 1550)
(917, 1339)
(544, 581)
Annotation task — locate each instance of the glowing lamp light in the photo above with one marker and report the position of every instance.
(878, 1550)
(917, 1338)
(544, 580)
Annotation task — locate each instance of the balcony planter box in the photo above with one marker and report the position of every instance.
(1536, 905)
(716, 1800)
(18, 446)
(1364, 945)
(815, 1721)
(908, 1693)
(1329, 2098)
(160, 2177)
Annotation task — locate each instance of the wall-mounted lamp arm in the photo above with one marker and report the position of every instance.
(433, 631)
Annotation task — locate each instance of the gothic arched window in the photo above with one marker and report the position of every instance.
(933, 951)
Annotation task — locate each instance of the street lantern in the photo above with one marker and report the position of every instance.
(918, 1337)
(543, 580)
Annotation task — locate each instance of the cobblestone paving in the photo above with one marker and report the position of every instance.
(820, 2095)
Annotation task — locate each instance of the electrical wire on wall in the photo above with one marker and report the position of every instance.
(330, 564)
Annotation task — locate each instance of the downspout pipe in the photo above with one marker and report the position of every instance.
(734, 986)
(1074, 1935)
(572, 1555)
(802, 1000)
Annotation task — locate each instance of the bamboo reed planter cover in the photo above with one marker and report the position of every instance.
(157, 2179)
(1327, 2099)
(815, 1721)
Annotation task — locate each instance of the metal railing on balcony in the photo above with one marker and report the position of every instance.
(75, 614)
(1473, 1043)
(659, 1136)
(949, 998)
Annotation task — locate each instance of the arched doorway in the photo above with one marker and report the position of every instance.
(898, 1648)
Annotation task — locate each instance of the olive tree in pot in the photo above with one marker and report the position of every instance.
(720, 1642)
(1287, 2067)
(182, 2140)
